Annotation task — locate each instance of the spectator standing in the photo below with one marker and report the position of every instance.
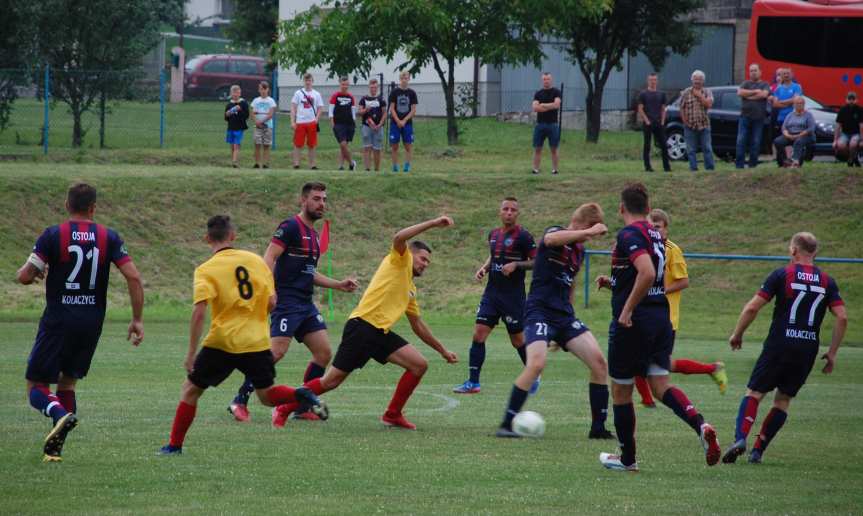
(694, 103)
(798, 131)
(403, 108)
(546, 105)
(371, 108)
(264, 108)
(306, 108)
(343, 113)
(849, 130)
(651, 110)
(236, 114)
(783, 96)
(753, 111)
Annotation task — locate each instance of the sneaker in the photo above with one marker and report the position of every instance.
(353, 165)
(397, 420)
(506, 433)
(296, 167)
(265, 166)
(170, 450)
(56, 438)
(554, 172)
(368, 170)
(600, 433)
(648, 169)
(235, 164)
(612, 461)
(736, 450)
(720, 377)
(341, 167)
(534, 386)
(395, 168)
(710, 443)
(256, 166)
(310, 403)
(535, 172)
(468, 387)
(407, 167)
(755, 456)
(308, 415)
(239, 411)
(313, 167)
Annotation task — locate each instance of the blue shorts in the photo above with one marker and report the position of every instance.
(405, 134)
(548, 325)
(492, 308)
(644, 349)
(62, 350)
(234, 137)
(785, 367)
(296, 321)
(542, 131)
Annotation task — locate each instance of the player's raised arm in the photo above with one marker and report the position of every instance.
(421, 330)
(572, 236)
(401, 238)
(749, 313)
(136, 297)
(838, 334)
(643, 280)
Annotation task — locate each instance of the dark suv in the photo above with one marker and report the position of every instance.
(210, 76)
(723, 126)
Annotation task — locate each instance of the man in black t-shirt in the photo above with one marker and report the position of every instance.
(343, 112)
(651, 112)
(372, 110)
(546, 105)
(849, 133)
(403, 107)
(753, 112)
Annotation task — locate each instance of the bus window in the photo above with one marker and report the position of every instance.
(812, 41)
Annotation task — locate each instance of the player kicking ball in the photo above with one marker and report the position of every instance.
(803, 295)
(239, 288)
(549, 315)
(368, 333)
(640, 339)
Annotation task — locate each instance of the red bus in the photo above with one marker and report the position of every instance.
(820, 40)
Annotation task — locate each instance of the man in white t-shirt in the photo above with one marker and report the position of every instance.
(305, 112)
(264, 109)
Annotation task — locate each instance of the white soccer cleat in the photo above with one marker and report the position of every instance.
(612, 461)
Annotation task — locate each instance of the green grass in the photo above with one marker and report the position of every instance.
(351, 464)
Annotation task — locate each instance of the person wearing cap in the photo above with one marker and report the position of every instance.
(849, 131)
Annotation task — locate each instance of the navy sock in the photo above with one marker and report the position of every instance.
(477, 357)
(245, 391)
(772, 423)
(598, 405)
(313, 371)
(522, 354)
(624, 425)
(677, 401)
(516, 401)
(47, 403)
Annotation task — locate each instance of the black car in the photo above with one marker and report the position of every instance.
(723, 126)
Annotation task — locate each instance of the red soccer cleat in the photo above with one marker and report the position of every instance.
(239, 411)
(305, 416)
(279, 418)
(397, 420)
(712, 451)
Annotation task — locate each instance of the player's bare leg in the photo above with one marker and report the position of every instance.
(377, 157)
(395, 156)
(675, 399)
(537, 159)
(415, 366)
(555, 160)
(239, 406)
(312, 158)
(266, 153)
(367, 158)
(296, 156)
(586, 348)
(409, 154)
(258, 155)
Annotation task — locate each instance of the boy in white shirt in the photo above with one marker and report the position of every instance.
(264, 108)
(306, 108)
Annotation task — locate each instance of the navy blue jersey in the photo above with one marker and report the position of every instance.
(632, 241)
(514, 245)
(79, 256)
(803, 294)
(554, 270)
(295, 268)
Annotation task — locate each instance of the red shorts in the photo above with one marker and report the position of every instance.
(306, 133)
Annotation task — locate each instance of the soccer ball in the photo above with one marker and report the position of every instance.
(528, 424)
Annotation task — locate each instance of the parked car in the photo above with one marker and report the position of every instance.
(723, 126)
(210, 76)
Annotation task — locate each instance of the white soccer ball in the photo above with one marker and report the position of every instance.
(528, 424)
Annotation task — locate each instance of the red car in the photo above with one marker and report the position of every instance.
(210, 76)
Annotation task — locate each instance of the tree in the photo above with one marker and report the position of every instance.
(254, 23)
(16, 55)
(596, 44)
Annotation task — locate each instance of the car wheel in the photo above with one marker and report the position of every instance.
(223, 93)
(676, 145)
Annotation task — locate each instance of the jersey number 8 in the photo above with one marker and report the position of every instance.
(243, 284)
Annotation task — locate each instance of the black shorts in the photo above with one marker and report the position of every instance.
(362, 341)
(782, 367)
(213, 366)
(62, 349)
(644, 349)
(494, 307)
(344, 132)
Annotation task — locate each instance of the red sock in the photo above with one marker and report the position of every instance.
(315, 386)
(67, 399)
(280, 394)
(404, 389)
(644, 390)
(686, 366)
(182, 421)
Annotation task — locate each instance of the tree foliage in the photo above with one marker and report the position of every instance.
(254, 23)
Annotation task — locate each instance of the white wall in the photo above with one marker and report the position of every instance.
(206, 10)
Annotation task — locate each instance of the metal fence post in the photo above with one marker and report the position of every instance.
(162, 109)
(586, 278)
(274, 87)
(46, 97)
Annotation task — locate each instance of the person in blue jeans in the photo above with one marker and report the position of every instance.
(694, 103)
(798, 131)
(753, 112)
(546, 105)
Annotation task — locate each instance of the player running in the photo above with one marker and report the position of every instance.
(238, 286)
(368, 332)
(511, 252)
(803, 294)
(640, 339)
(76, 257)
(549, 316)
(293, 255)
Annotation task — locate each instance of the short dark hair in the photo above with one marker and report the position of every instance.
(510, 198)
(219, 227)
(635, 199)
(313, 185)
(343, 78)
(653, 74)
(265, 85)
(419, 245)
(81, 197)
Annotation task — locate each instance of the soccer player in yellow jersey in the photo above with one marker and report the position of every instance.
(239, 288)
(677, 279)
(368, 334)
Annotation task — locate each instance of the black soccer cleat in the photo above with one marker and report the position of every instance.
(735, 450)
(57, 437)
(309, 402)
(600, 433)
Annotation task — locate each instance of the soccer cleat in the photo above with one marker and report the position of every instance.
(712, 451)
(57, 437)
(735, 450)
(170, 450)
(239, 411)
(652, 404)
(612, 461)
(534, 386)
(278, 418)
(755, 456)
(468, 387)
(506, 433)
(397, 420)
(310, 403)
(600, 433)
(305, 416)
(720, 376)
